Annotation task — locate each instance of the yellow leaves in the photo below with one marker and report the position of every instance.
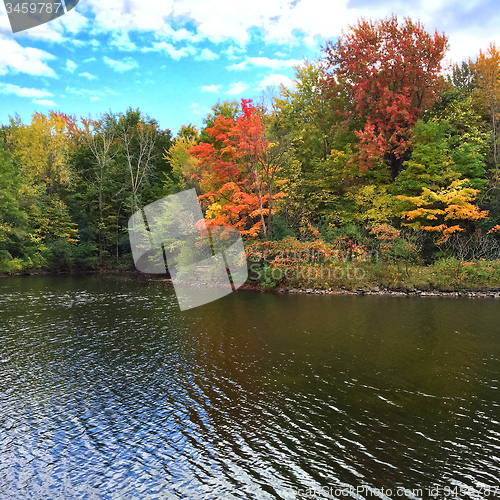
(213, 211)
(451, 204)
(374, 204)
(42, 149)
(183, 164)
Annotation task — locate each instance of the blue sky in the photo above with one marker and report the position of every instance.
(174, 59)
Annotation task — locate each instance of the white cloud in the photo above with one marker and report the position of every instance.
(73, 22)
(275, 80)
(237, 66)
(171, 50)
(127, 64)
(85, 74)
(207, 55)
(211, 88)
(18, 59)
(95, 98)
(264, 62)
(117, 15)
(237, 88)
(43, 32)
(284, 21)
(45, 102)
(71, 65)
(23, 91)
(122, 42)
(91, 93)
(90, 59)
(197, 110)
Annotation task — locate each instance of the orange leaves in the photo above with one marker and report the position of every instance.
(494, 229)
(384, 232)
(446, 207)
(487, 70)
(229, 172)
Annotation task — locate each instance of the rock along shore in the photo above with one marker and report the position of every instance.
(493, 293)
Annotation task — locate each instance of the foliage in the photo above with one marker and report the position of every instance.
(391, 73)
(442, 211)
(239, 178)
(372, 157)
(487, 72)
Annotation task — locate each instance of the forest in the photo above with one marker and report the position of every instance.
(380, 156)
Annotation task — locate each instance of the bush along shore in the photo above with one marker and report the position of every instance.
(347, 267)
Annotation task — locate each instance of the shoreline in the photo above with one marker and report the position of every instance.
(280, 289)
(487, 293)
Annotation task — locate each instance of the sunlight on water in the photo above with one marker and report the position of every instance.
(108, 391)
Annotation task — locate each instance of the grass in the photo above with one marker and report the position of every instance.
(444, 275)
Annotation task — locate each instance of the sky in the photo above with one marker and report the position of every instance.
(175, 59)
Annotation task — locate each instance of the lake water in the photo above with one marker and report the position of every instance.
(108, 391)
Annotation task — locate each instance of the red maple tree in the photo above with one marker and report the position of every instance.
(391, 73)
(235, 173)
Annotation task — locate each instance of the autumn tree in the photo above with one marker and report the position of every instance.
(391, 73)
(42, 148)
(487, 70)
(182, 163)
(443, 211)
(227, 109)
(319, 172)
(240, 167)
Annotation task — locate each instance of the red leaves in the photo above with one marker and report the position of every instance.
(233, 193)
(391, 74)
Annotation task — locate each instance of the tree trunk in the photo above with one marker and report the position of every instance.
(396, 165)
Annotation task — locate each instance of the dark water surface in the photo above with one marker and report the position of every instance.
(108, 391)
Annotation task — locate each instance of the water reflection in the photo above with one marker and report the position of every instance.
(108, 391)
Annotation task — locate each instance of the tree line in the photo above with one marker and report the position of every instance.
(376, 143)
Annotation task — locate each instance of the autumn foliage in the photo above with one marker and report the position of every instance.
(230, 172)
(391, 73)
(442, 212)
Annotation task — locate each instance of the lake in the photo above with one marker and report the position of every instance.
(108, 391)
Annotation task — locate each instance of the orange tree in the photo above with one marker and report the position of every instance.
(237, 173)
(487, 72)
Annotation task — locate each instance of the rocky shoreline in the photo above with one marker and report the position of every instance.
(256, 287)
(485, 294)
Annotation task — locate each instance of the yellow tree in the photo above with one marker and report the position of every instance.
(183, 164)
(41, 148)
(444, 210)
(487, 68)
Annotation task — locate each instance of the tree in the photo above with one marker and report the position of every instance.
(239, 169)
(462, 77)
(227, 109)
(391, 74)
(442, 211)
(42, 149)
(102, 140)
(487, 70)
(12, 219)
(310, 112)
(138, 136)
